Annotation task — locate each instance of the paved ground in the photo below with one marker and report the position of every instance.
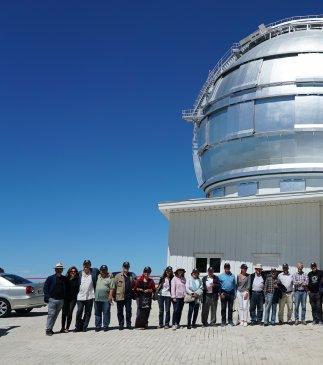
(22, 340)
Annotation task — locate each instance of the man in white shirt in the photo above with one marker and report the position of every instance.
(285, 281)
(87, 281)
(257, 283)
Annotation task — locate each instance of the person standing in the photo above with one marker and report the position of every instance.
(145, 288)
(54, 294)
(122, 292)
(211, 288)
(102, 301)
(300, 281)
(243, 284)
(272, 293)
(285, 281)
(194, 289)
(72, 286)
(87, 280)
(315, 277)
(228, 292)
(164, 297)
(178, 291)
(257, 284)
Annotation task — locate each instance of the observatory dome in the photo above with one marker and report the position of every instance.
(258, 120)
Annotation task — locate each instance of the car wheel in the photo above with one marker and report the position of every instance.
(23, 311)
(5, 308)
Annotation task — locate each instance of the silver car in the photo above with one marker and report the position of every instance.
(19, 294)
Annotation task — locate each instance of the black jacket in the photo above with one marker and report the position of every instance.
(252, 278)
(49, 287)
(216, 287)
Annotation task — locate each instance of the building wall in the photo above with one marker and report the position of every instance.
(285, 232)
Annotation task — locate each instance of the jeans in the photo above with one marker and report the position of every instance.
(193, 310)
(270, 306)
(102, 309)
(121, 304)
(316, 304)
(178, 308)
(227, 302)
(243, 305)
(67, 313)
(300, 298)
(256, 306)
(164, 306)
(286, 299)
(54, 307)
(209, 302)
(86, 306)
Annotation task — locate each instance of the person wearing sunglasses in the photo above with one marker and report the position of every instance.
(72, 288)
(54, 295)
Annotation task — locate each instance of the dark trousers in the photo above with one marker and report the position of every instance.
(124, 304)
(316, 305)
(178, 308)
(256, 306)
(86, 306)
(164, 307)
(193, 310)
(67, 312)
(227, 302)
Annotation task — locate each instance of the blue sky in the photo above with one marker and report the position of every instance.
(91, 137)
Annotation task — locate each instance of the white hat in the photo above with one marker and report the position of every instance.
(258, 266)
(59, 265)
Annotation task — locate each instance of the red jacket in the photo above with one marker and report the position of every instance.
(140, 284)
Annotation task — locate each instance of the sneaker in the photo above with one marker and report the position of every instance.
(266, 324)
(174, 327)
(223, 324)
(297, 322)
(189, 327)
(231, 324)
(166, 327)
(252, 323)
(280, 323)
(304, 323)
(121, 328)
(129, 327)
(105, 329)
(273, 323)
(241, 323)
(290, 322)
(245, 324)
(49, 333)
(160, 327)
(205, 325)
(63, 330)
(179, 327)
(97, 330)
(194, 326)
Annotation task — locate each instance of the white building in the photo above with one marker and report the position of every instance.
(258, 155)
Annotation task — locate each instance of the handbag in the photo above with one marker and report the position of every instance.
(188, 298)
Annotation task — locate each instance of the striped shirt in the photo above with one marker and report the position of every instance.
(300, 281)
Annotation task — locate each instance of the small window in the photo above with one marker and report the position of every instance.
(292, 185)
(247, 189)
(201, 264)
(218, 193)
(215, 262)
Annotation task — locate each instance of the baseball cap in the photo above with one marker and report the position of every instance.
(147, 269)
(210, 269)
(195, 271)
(126, 264)
(285, 265)
(169, 268)
(313, 264)
(87, 262)
(103, 267)
(227, 265)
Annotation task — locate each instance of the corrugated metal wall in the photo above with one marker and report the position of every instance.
(237, 234)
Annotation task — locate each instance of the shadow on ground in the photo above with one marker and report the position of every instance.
(5, 331)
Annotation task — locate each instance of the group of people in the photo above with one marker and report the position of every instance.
(257, 295)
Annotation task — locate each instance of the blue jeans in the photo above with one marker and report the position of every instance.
(300, 298)
(178, 308)
(102, 309)
(269, 305)
(164, 307)
(54, 307)
(256, 304)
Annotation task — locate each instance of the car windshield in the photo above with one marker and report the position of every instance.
(15, 279)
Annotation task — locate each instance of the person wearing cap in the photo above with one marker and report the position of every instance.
(228, 293)
(164, 297)
(54, 294)
(72, 286)
(85, 297)
(243, 294)
(272, 296)
(315, 277)
(122, 292)
(300, 281)
(102, 301)
(211, 288)
(178, 291)
(194, 291)
(285, 281)
(256, 292)
(144, 288)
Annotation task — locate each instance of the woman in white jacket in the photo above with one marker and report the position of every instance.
(194, 290)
